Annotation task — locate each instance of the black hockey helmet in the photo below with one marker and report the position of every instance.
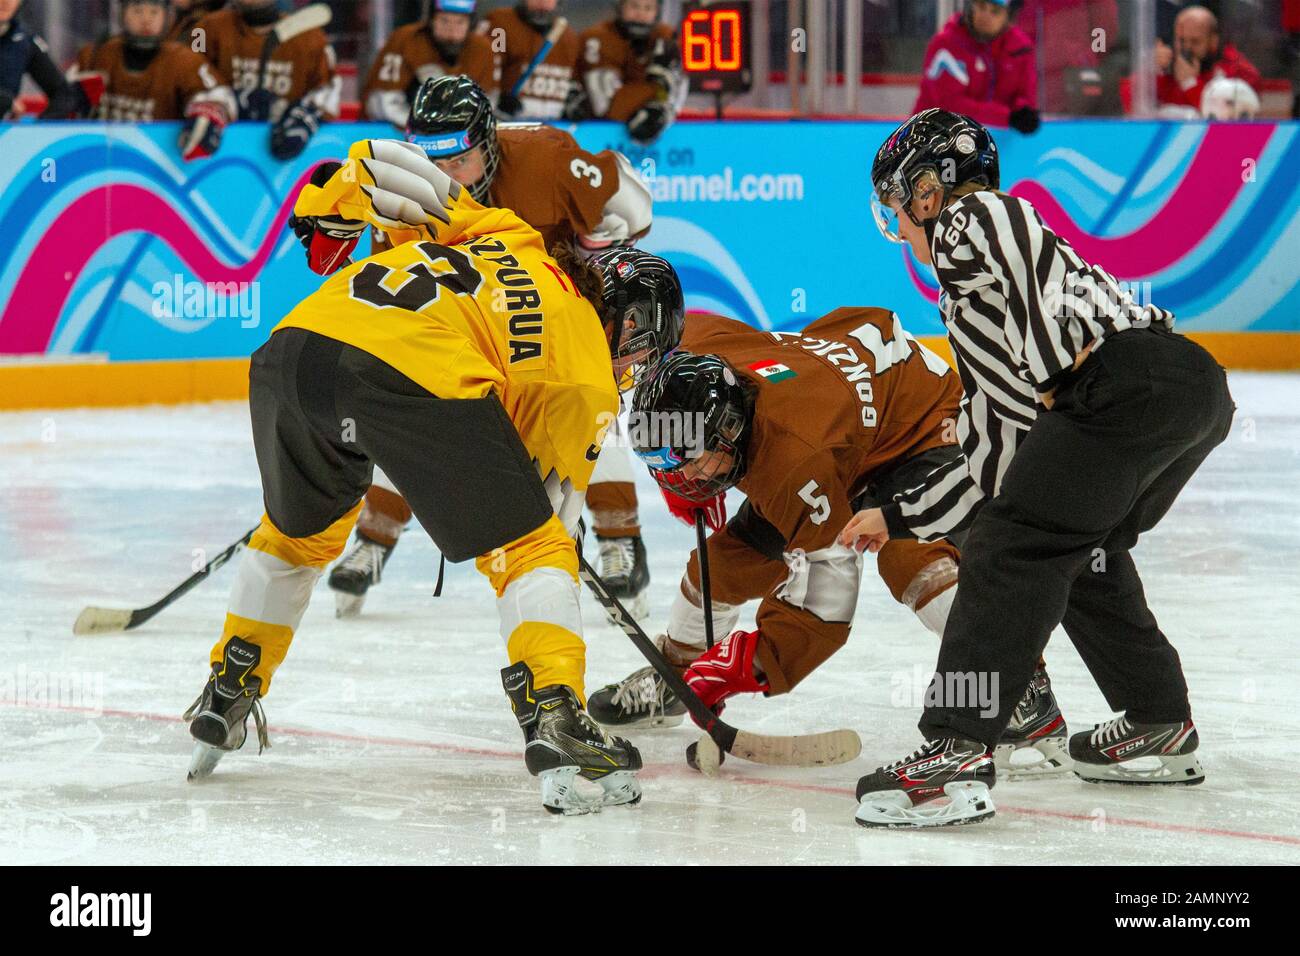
(451, 115)
(642, 307)
(689, 406)
(143, 43)
(937, 147)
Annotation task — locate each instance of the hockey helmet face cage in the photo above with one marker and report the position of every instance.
(691, 420)
(452, 115)
(642, 308)
(145, 42)
(951, 148)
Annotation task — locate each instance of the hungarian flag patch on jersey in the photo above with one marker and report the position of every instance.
(772, 371)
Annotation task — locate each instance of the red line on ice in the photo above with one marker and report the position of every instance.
(661, 769)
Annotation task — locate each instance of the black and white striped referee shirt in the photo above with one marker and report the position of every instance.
(1019, 305)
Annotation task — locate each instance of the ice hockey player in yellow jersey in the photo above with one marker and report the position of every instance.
(480, 373)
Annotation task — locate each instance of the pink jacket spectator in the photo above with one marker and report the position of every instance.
(985, 81)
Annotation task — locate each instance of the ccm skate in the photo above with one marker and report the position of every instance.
(561, 743)
(219, 718)
(1123, 751)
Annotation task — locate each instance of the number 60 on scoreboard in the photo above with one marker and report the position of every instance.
(715, 43)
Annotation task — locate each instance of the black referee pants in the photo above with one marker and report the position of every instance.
(1126, 433)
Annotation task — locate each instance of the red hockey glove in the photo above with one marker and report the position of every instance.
(726, 670)
(684, 510)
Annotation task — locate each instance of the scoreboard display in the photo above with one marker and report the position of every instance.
(715, 43)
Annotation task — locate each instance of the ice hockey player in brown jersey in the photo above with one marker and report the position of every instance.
(629, 70)
(146, 78)
(443, 45)
(591, 201)
(806, 424)
(297, 88)
(532, 87)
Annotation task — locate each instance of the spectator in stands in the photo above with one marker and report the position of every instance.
(629, 71)
(1197, 57)
(141, 77)
(297, 88)
(23, 53)
(1072, 39)
(518, 34)
(441, 46)
(188, 15)
(981, 65)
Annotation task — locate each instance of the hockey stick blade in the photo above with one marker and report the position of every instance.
(804, 750)
(108, 620)
(311, 17)
(101, 620)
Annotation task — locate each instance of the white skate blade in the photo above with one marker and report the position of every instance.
(967, 803)
(203, 761)
(101, 620)
(348, 605)
(1181, 769)
(1046, 757)
(560, 793)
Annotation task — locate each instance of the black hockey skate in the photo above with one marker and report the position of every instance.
(640, 700)
(1121, 751)
(1037, 731)
(908, 793)
(353, 576)
(219, 718)
(561, 742)
(626, 573)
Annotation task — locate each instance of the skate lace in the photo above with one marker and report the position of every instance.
(617, 557)
(639, 691)
(366, 558)
(929, 748)
(1112, 730)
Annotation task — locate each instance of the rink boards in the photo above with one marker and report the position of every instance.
(118, 252)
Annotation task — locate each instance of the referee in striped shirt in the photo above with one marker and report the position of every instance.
(1084, 416)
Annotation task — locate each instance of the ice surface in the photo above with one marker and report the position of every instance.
(393, 741)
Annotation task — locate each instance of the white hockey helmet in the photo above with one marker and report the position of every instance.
(1229, 98)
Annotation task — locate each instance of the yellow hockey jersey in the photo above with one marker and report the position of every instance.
(470, 303)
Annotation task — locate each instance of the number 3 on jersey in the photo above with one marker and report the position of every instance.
(582, 169)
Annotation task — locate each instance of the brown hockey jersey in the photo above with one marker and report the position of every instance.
(551, 183)
(842, 402)
(302, 67)
(613, 71)
(410, 56)
(160, 91)
(514, 44)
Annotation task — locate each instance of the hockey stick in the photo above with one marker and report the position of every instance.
(702, 549)
(312, 17)
(806, 750)
(105, 620)
(552, 37)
